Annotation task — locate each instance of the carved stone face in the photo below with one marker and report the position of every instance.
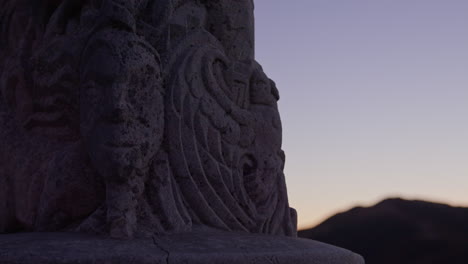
(121, 105)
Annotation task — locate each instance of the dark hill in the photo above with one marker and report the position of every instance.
(399, 231)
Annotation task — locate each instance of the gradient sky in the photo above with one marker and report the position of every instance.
(374, 99)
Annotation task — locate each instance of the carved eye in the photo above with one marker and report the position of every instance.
(90, 93)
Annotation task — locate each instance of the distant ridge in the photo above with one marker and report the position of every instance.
(399, 231)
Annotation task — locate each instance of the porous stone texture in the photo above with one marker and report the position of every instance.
(138, 119)
(214, 247)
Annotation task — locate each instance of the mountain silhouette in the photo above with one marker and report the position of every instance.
(399, 231)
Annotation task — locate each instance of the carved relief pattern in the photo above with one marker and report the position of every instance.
(135, 118)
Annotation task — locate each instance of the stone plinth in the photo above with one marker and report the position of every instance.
(196, 247)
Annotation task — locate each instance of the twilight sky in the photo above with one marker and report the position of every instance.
(374, 99)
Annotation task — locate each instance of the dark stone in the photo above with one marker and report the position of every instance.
(131, 118)
(196, 247)
(136, 119)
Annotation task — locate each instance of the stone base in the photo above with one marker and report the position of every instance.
(207, 247)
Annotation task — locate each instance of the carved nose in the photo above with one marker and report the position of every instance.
(119, 105)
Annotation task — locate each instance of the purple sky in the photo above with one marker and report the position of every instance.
(374, 99)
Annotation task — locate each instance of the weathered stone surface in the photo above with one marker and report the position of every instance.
(196, 247)
(139, 119)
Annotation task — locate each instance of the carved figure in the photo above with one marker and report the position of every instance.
(135, 118)
(122, 119)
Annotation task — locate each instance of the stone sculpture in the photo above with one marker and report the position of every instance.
(135, 119)
(153, 112)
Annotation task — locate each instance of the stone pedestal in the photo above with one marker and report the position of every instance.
(197, 247)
